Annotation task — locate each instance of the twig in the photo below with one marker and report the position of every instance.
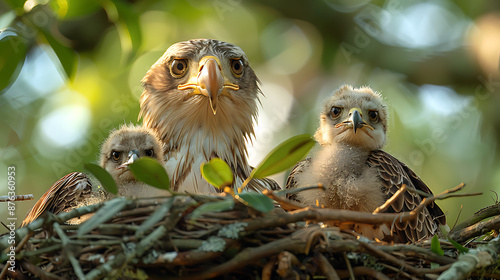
(360, 270)
(480, 215)
(18, 197)
(475, 259)
(388, 203)
(285, 203)
(326, 268)
(69, 253)
(294, 243)
(349, 267)
(475, 230)
(420, 252)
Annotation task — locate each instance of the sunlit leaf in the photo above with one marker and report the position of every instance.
(60, 45)
(108, 183)
(67, 56)
(217, 173)
(105, 213)
(457, 246)
(11, 64)
(257, 201)
(151, 172)
(284, 156)
(217, 206)
(70, 9)
(128, 23)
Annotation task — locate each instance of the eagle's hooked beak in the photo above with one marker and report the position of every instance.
(356, 119)
(210, 81)
(132, 156)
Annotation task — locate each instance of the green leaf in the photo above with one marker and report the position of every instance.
(457, 246)
(107, 181)
(105, 213)
(257, 201)
(436, 246)
(151, 172)
(67, 56)
(127, 21)
(217, 173)
(284, 156)
(74, 9)
(217, 206)
(13, 49)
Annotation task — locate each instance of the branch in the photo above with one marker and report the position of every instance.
(19, 197)
(480, 215)
(483, 256)
(478, 229)
(388, 203)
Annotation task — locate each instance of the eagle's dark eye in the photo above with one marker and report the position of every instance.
(335, 112)
(178, 68)
(150, 153)
(237, 67)
(116, 155)
(373, 115)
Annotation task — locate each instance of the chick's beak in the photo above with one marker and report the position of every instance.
(356, 119)
(209, 81)
(132, 156)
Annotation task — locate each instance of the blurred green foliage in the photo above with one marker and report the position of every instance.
(70, 71)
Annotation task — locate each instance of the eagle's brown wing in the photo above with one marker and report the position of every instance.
(63, 194)
(393, 174)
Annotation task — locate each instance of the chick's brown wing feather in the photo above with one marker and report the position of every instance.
(291, 181)
(393, 175)
(62, 194)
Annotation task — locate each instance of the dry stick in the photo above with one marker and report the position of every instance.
(480, 215)
(267, 270)
(18, 197)
(475, 230)
(327, 268)
(478, 258)
(42, 274)
(349, 267)
(398, 271)
(68, 252)
(144, 245)
(360, 270)
(342, 215)
(287, 204)
(388, 203)
(251, 254)
(420, 252)
(396, 261)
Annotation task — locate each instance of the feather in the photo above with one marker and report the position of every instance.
(185, 122)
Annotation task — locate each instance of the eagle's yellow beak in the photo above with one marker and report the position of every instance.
(210, 81)
(356, 120)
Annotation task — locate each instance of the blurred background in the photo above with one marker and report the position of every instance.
(70, 71)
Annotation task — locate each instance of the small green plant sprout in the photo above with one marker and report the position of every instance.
(282, 157)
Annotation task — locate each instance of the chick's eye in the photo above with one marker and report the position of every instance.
(150, 153)
(116, 155)
(237, 67)
(335, 112)
(178, 67)
(373, 115)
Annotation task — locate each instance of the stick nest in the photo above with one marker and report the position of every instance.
(160, 238)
